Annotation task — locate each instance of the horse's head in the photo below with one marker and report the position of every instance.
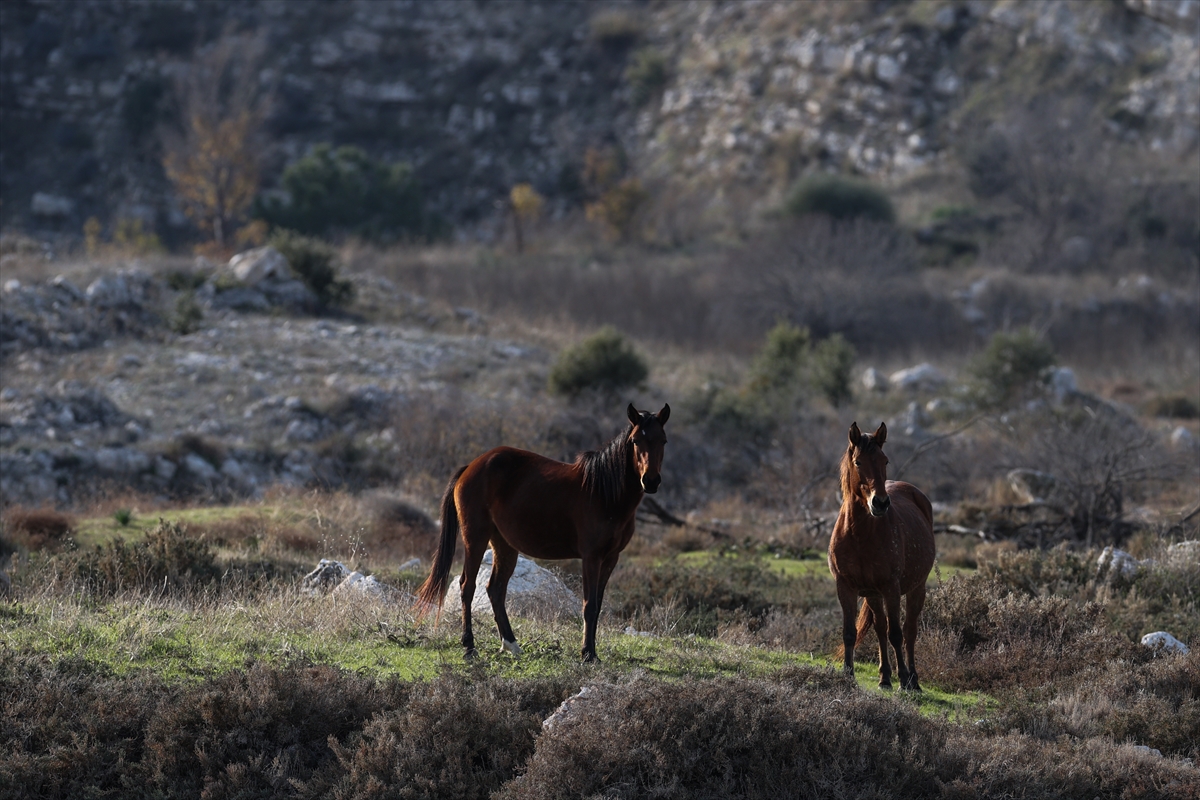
(864, 469)
(649, 440)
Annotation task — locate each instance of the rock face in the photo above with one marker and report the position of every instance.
(481, 96)
(532, 592)
(922, 377)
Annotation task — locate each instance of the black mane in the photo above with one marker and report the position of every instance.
(606, 471)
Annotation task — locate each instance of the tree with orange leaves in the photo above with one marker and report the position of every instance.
(213, 161)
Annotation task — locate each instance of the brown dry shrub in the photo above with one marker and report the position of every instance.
(251, 733)
(982, 635)
(37, 528)
(398, 530)
(453, 738)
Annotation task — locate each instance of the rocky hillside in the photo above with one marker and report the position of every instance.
(721, 105)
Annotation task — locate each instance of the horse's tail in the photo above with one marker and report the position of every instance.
(433, 591)
(866, 621)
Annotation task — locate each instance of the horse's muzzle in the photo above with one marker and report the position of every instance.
(879, 507)
(650, 485)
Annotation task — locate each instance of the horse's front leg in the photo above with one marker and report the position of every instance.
(895, 633)
(848, 598)
(592, 566)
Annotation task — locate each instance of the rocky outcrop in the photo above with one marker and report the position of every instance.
(480, 96)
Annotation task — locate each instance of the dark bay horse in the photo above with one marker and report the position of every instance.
(522, 502)
(882, 547)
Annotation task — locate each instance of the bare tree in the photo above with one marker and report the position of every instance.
(213, 159)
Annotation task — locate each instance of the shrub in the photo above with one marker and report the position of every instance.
(832, 360)
(312, 260)
(347, 191)
(840, 198)
(780, 366)
(123, 517)
(617, 208)
(35, 529)
(1010, 365)
(989, 168)
(187, 315)
(615, 29)
(647, 74)
(168, 560)
(1173, 405)
(605, 361)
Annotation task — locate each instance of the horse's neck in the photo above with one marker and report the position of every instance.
(859, 520)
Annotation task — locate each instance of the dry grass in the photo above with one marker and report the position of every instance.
(37, 528)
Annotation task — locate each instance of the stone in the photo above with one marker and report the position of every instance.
(367, 585)
(51, 205)
(1077, 251)
(887, 70)
(568, 711)
(1182, 438)
(532, 592)
(922, 376)
(199, 467)
(122, 460)
(1115, 563)
(252, 267)
(1031, 486)
(327, 575)
(874, 381)
(1062, 383)
(1163, 642)
(1184, 553)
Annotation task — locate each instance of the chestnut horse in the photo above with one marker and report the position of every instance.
(882, 547)
(522, 502)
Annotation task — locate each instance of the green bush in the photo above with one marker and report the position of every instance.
(840, 198)
(781, 364)
(346, 191)
(312, 260)
(188, 315)
(832, 360)
(647, 74)
(604, 361)
(1008, 368)
(167, 560)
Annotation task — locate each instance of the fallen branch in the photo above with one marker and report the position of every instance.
(653, 509)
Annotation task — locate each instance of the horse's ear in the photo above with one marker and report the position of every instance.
(880, 435)
(855, 435)
(665, 414)
(635, 418)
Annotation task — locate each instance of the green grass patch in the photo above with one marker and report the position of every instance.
(180, 644)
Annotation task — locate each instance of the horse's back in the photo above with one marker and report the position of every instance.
(901, 489)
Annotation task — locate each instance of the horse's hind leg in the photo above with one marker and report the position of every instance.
(885, 663)
(474, 547)
(914, 602)
(504, 561)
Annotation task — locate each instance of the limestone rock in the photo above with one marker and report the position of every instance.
(1163, 642)
(921, 377)
(532, 592)
(252, 267)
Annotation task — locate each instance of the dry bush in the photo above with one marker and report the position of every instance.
(981, 634)
(806, 733)
(452, 738)
(399, 530)
(37, 528)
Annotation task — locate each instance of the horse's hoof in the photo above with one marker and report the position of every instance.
(470, 654)
(591, 658)
(885, 683)
(511, 647)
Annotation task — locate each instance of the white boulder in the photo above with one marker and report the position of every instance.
(568, 711)
(922, 376)
(51, 205)
(1182, 438)
(874, 381)
(260, 264)
(532, 592)
(1117, 563)
(1163, 642)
